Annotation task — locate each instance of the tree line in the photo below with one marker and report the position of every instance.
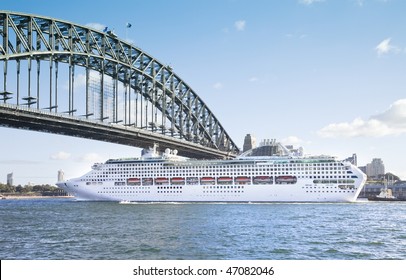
(44, 190)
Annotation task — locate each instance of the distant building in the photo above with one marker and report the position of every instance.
(249, 143)
(10, 179)
(363, 169)
(353, 159)
(295, 151)
(61, 175)
(376, 168)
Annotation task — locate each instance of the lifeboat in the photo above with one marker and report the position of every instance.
(147, 181)
(192, 180)
(242, 179)
(286, 180)
(178, 181)
(161, 181)
(262, 180)
(207, 180)
(134, 181)
(224, 180)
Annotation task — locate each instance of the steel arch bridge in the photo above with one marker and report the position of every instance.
(69, 79)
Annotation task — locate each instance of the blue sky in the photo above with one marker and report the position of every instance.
(328, 75)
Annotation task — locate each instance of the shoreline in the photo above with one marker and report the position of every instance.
(15, 197)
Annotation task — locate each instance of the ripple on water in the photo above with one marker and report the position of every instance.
(63, 229)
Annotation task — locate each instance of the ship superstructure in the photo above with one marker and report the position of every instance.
(269, 173)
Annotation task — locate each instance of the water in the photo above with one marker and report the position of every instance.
(65, 229)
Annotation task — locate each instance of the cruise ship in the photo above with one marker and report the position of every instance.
(268, 173)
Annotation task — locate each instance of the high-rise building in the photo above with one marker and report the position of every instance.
(10, 179)
(61, 175)
(249, 143)
(375, 168)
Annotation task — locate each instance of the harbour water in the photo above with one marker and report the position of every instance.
(65, 229)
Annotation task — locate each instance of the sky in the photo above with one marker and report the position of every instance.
(327, 75)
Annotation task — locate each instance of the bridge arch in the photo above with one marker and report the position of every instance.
(123, 89)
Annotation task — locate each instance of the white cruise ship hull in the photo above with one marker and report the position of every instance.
(299, 192)
(170, 178)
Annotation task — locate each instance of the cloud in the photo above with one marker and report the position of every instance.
(253, 79)
(395, 115)
(361, 3)
(309, 2)
(60, 156)
(80, 79)
(385, 47)
(292, 140)
(91, 157)
(18, 162)
(218, 85)
(294, 36)
(97, 26)
(390, 122)
(240, 25)
(225, 30)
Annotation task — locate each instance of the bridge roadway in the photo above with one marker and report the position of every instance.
(13, 116)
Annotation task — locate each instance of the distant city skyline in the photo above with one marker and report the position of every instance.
(325, 75)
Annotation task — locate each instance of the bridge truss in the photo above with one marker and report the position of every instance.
(69, 79)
